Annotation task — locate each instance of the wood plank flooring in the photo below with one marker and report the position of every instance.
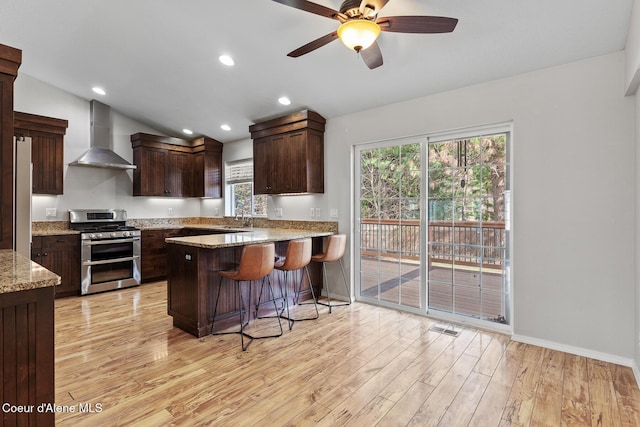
(118, 355)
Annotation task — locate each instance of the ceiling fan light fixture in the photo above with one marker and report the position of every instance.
(358, 34)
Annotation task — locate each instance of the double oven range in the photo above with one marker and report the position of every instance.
(110, 249)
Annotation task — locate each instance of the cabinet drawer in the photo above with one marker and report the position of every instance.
(62, 240)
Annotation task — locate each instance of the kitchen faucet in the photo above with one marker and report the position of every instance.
(249, 220)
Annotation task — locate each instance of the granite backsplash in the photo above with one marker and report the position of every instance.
(61, 227)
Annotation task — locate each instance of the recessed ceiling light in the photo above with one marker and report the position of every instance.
(226, 60)
(225, 127)
(99, 90)
(284, 100)
(187, 131)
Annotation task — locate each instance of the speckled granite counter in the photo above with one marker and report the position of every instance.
(245, 237)
(18, 273)
(51, 228)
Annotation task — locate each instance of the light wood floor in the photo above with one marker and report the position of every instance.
(360, 366)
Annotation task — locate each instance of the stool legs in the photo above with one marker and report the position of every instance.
(296, 298)
(241, 310)
(326, 279)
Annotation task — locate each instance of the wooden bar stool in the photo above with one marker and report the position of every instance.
(336, 244)
(298, 257)
(256, 262)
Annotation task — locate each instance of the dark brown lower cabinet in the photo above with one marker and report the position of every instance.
(27, 357)
(61, 255)
(154, 250)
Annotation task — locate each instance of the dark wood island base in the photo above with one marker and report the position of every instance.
(192, 279)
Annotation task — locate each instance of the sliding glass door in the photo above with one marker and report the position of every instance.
(432, 231)
(389, 232)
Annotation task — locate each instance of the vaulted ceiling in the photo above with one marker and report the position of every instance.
(158, 59)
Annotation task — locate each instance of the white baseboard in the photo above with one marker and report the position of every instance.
(579, 351)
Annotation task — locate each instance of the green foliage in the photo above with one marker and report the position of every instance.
(466, 180)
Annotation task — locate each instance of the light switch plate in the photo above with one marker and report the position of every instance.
(333, 213)
(279, 212)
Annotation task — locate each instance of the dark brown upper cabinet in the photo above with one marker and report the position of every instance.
(172, 167)
(288, 154)
(10, 60)
(47, 150)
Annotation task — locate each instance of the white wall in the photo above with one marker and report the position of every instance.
(632, 52)
(632, 80)
(573, 192)
(86, 187)
(636, 341)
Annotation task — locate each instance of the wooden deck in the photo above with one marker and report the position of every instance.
(460, 290)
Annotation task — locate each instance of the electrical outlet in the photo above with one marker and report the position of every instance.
(51, 212)
(333, 213)
(318, 212)
(170, 211)
(312, 212)
(279, 212)
(216, 211)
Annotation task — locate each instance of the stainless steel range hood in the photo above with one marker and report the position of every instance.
(100, 154)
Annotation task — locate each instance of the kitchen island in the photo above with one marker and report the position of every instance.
(27, 335)
(192, 281)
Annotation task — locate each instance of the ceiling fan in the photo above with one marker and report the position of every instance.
(360, 26)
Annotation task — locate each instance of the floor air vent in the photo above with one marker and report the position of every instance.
(447, 330)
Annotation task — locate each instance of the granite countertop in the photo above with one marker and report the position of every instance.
(246, 237)
(19, 273)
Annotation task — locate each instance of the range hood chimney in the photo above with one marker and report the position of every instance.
(100, 154)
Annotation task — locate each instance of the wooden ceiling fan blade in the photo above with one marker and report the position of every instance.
(311, 7)
(417, 24)
(313, 45)
(373, 4)
(372, 56)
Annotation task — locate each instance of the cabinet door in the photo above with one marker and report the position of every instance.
(6, 160)
(263, 167)
(212, 174)
(294, 163)
(151, 167)
(198, 175)
(47, 152)
(61, 255)
(153, 255)
(179, 177)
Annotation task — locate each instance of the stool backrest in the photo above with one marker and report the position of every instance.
(298, 254)
(256, 261)
(336, 244)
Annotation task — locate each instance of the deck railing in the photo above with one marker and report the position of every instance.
(465, 242)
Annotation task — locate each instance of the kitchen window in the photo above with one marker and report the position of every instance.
(239, 180)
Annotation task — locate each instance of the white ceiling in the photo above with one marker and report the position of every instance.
(158, 59)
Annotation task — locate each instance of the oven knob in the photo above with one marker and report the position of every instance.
(125, 234)
(98, 236)
(92, 236)
(114, 234)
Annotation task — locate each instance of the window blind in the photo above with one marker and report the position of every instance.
(240, 171)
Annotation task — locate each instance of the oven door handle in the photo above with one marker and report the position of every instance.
(109, 241)
(112, 261)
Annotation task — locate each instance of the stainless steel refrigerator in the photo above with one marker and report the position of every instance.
(22, 176)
